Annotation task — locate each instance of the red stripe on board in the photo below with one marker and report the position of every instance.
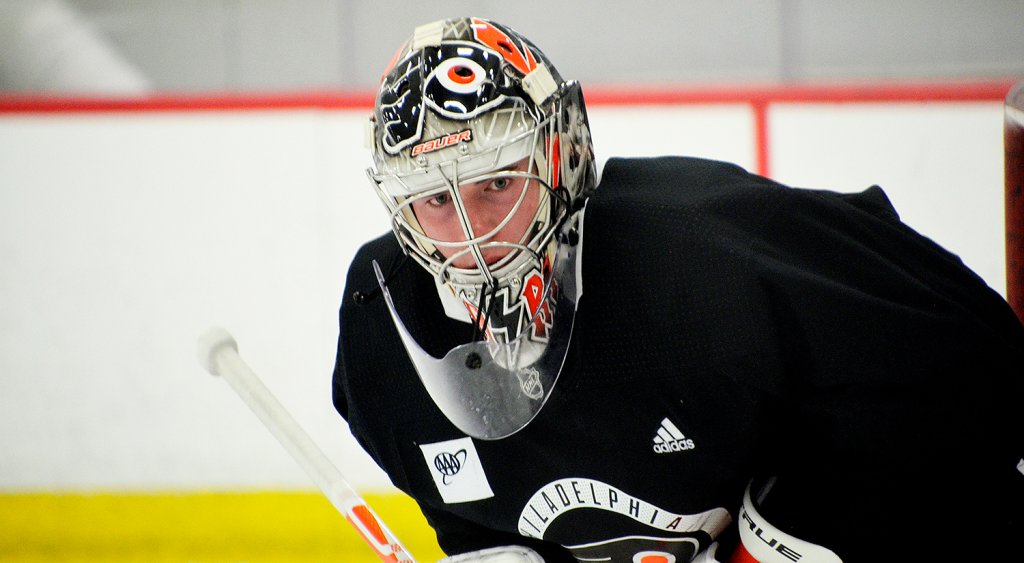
(597, 95)
(761, 146)
(836, 93)
(185, 102)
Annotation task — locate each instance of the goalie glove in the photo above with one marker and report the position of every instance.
(761, 542)
(503, 554)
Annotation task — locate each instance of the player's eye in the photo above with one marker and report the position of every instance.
(440, 200)
(501, 183)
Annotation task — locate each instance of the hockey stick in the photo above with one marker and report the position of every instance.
(218, 353)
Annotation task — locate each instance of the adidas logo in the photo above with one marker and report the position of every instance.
(669, 439)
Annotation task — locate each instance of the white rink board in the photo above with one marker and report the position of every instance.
(124, 235)
(716, 131)
(940, 163)
(127, 236)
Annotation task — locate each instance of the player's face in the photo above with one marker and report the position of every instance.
(488, 203)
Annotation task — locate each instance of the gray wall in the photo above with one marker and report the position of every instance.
(302, 45)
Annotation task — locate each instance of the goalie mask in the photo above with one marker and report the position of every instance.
(482, 156)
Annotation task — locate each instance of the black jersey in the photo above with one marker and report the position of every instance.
(730, 328)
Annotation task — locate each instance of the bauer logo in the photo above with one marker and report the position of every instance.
(442, 142)
(456, 469)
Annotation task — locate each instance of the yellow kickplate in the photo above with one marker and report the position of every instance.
(258, 527)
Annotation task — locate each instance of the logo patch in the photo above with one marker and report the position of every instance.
(670, 439)
(456, 469)
(442, 142)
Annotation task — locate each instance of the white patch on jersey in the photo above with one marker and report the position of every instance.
(456, 469)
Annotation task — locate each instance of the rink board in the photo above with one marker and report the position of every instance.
(129, 228)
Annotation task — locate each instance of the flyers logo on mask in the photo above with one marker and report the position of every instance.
(463, 81)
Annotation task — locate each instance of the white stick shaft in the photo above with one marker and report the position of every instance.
(222, 358)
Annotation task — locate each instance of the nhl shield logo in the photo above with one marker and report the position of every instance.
(529, 382)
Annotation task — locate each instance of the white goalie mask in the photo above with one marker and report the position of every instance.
(483, 159)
